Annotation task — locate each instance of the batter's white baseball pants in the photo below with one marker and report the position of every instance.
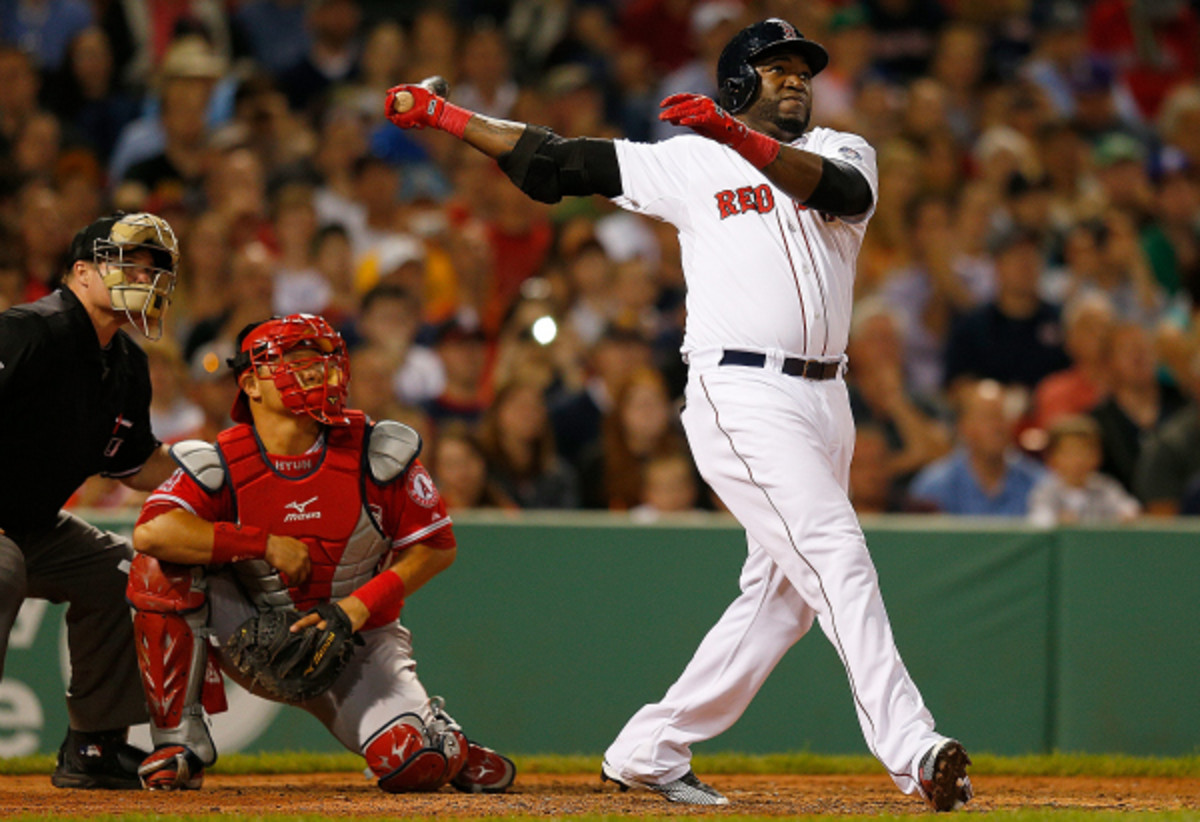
(777, 450)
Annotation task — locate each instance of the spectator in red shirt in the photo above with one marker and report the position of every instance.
(1087, 330)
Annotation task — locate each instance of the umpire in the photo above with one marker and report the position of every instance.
(75, 401)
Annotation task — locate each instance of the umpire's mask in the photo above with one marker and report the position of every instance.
(110, 243)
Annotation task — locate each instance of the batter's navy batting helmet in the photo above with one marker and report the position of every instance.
(737, 81)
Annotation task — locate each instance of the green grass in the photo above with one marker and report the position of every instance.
(1057, 764)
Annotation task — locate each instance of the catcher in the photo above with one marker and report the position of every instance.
(293, 542)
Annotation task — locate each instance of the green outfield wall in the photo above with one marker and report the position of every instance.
(550, 631)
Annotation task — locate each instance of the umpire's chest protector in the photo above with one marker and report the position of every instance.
(324, 507)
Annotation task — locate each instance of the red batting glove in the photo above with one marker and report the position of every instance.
(706, 118)
(427, 110)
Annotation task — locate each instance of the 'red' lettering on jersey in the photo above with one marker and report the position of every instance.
(759, 199)
(328, 508)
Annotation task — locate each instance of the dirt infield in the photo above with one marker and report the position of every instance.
(552, 795)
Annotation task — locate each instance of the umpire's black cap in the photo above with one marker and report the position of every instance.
(129, 230)
(83, 245)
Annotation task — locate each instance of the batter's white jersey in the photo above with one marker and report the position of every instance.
(763, 272)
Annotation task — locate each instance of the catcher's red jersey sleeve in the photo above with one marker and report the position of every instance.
(181, 491)
(412, 510)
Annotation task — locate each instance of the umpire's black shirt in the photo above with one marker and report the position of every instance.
(68, 408)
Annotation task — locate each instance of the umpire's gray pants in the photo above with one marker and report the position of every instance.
(87, 568)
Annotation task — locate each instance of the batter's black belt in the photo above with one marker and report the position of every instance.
(792, 366)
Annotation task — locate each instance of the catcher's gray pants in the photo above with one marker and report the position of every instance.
(87, 568)
(379, 683)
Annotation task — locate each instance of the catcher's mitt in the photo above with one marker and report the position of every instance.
(292, 667)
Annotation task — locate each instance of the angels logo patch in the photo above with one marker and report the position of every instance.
(421, 488)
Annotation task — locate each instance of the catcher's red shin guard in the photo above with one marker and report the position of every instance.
(455, 746)
(180, 678)
(401, 756)
(172, 768)
(485, 772)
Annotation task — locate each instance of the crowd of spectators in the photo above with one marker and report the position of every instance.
(1025, 340)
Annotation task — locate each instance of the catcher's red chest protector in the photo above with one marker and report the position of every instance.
(323, 507)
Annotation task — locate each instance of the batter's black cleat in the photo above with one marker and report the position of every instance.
(101, 760)
(609, 774)
(943, 776)
(686, 790)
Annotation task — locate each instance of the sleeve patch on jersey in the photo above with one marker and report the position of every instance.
(850, 154)
(421, 489)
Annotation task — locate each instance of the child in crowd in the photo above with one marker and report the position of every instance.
(1074, 491)
(668, 485)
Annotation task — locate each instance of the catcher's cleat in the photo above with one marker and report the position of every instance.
(686, 790)
(943, 776)
(97, 761)
(172, 768)
(485, 772)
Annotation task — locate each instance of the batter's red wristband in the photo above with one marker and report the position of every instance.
(759, 149)
(382, 592)
(454, 121)
(232, 543)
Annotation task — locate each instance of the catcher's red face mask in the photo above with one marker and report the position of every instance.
(307, 361)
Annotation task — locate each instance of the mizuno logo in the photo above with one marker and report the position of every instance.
(320, 654)
(300, 512)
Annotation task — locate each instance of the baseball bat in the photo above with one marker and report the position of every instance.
(435, 84)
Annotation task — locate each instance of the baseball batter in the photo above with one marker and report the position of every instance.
(771, 217)
(304, 504)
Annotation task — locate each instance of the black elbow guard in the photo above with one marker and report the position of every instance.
(548, 168)
(529, 167)
(842, 190)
